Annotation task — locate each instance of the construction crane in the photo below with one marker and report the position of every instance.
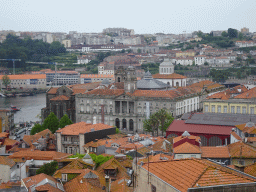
(13, 62)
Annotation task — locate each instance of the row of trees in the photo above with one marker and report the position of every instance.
(158, 121)
(239, 73)
(52, 123)
(29, 50)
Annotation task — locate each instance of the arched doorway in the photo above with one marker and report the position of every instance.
(117, 123)
(131, 125)
(124, 123)
(177, 84)
(203, 140)
(168, 83)
(118, 79)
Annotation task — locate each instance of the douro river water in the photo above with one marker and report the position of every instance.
(30, 107)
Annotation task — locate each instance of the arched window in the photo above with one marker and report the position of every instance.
(168, 83)
(118, 79)
(124, 123)
(117, 123)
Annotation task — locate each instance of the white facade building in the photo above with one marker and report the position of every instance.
(199, 59)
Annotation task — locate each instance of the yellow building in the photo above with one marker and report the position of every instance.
(237, 100)
(7, 120)
(188, 53)
(66, 43)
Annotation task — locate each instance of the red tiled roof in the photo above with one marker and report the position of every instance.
(26, 76)
(186, 148)
(53, 90)
(115, 92)
(39, 155)
(82, 127)
(181, 126)
(241, 150)
(10, 142)
(247, 95)
(215, 152)
(81, 184)
(236, 136)
(6, 161)
(4, 134)
(34, 180)
(191, 173)
(60, 98)
(251, 169)
(168, 76)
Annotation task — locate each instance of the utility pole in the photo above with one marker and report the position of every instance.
(13, 63)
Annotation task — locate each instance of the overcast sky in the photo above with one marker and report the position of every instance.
(144, 16)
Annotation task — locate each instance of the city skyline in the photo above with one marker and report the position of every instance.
(145, 17)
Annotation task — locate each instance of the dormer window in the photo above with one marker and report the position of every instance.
(64, 177)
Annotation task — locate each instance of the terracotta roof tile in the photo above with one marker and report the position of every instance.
(47, 188)
(10, 142)
(236, 136)
(113, 163)
(4, 134)
(6, 161)
(39, 155)
(60, 98)
(186, 148)
(240, 149)
(251, 169)
(52, 90)
(168, 76)
(215, 152)
(114, 92)
(82, 127)
(82, 184)
(120, 185)
(247, 95)
(190, 173)
(34, 180)
(26, 76)
(9, 185)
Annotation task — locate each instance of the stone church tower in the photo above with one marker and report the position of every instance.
(128, 76)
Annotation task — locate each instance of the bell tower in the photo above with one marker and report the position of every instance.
(128, 76)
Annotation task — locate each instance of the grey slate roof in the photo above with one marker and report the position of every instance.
(149, 83)
(220, 119)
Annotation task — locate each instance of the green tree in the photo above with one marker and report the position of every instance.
(129, 51)
(48, 168)
(240, 36)
(65, 121)
(123, 51)
(117, 131)
(199, 33)
(165, 119)
(6, 81)
(51, 122)
(206, 63)
(36, 129)
(139, 50)
(232, 33)
(224, 34)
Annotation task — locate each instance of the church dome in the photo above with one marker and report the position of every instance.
(166, 63)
